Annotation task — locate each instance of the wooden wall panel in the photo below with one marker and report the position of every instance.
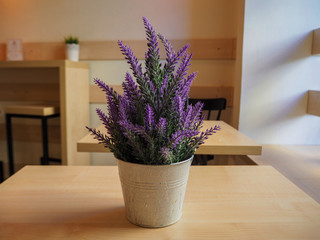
(28, 83)
(2, 51)
(201, 49)
(30, 133)
(316, 42)
(109, 50)
(22, 75)
(44, 51)
(98, 96)
(313, 103)
(30, 92)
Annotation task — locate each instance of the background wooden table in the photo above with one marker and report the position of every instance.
(227, 141)
(224, 202)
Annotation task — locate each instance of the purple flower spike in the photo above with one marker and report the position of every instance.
(161, 126)
(185, 86)
(132, 60)
(184, 67)
(149, 118)
(152, 60)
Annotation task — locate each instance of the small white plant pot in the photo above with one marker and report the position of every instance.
(72, 52)
(153, 194)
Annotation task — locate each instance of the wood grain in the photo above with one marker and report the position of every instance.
(109, 50)
(221, 202)
(299, 163)
(227, 141)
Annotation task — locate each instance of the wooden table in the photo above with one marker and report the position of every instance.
(227, 141)
(222, 202)
(59, 81)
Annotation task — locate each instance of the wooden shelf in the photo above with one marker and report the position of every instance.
(316, 41)
(109, 50)
(313, 103)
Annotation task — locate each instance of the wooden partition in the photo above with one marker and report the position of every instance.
(62, 82)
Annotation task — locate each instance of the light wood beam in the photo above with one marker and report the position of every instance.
(109, 50)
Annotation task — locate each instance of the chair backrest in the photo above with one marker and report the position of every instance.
(211, 104)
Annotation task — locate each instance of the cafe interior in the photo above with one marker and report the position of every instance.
(260, 57)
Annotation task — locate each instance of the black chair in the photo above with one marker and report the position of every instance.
(31, 111)
(210, 105)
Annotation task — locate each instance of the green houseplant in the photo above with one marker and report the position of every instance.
(153, 131)
(71, 40)
(72, 48)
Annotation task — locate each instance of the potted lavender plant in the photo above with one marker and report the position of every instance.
(153, 132)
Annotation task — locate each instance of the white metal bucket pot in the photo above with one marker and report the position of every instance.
(153, 194)
(72, 52)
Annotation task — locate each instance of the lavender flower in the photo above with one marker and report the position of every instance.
(149, 118)
(132, 60)
(161, 126)
(184, 66)
(152, 123)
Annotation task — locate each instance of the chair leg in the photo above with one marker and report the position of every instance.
(9, 144)
(45, 148)
(1, 172)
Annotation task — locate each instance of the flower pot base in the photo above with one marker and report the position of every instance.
(153, 194)
(152, 226)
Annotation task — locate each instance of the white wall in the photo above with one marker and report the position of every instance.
(47, 20)
(278, 70)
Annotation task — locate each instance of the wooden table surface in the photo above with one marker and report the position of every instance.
(222, 202)
(227, 141)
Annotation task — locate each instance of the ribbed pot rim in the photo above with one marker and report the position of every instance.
(151, 165)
